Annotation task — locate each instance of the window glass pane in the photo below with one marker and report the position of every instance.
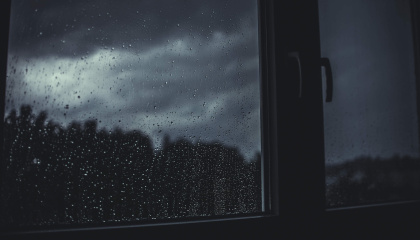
(371, 126)
(122, 111)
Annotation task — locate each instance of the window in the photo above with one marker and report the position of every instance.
(123, 113)
(292, 129)
(371, 125)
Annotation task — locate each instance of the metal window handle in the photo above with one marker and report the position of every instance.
(325, 62)
(295, 55)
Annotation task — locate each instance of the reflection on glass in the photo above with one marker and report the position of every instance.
(127, 111)
(371, 126)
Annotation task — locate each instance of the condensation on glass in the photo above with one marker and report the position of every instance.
(122, 111)
(371, 126)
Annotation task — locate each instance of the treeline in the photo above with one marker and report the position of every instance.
(368, 180)
(79, 174)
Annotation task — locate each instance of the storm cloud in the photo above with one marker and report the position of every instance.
(186, 69)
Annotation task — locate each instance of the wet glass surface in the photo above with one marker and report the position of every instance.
(131, 110)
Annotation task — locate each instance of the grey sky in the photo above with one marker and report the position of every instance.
(183, 68)
(370, 46)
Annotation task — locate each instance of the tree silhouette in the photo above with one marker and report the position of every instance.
(367, 180)
(79, 174)
(52, 174)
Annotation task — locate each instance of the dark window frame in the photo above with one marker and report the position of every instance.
(285, 26)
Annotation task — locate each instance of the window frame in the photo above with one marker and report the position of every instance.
(285, 26)
(178, 227)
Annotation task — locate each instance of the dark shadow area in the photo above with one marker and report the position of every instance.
(367, 180)
(52, 175)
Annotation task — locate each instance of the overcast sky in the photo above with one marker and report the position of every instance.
(374, 111)
(189, 69)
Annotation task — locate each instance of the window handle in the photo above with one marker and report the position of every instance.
(295, 55)
(325, 62)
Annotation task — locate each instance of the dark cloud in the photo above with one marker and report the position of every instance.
(187, 69)
(51, 27)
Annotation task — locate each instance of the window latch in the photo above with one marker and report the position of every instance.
(325, 62)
